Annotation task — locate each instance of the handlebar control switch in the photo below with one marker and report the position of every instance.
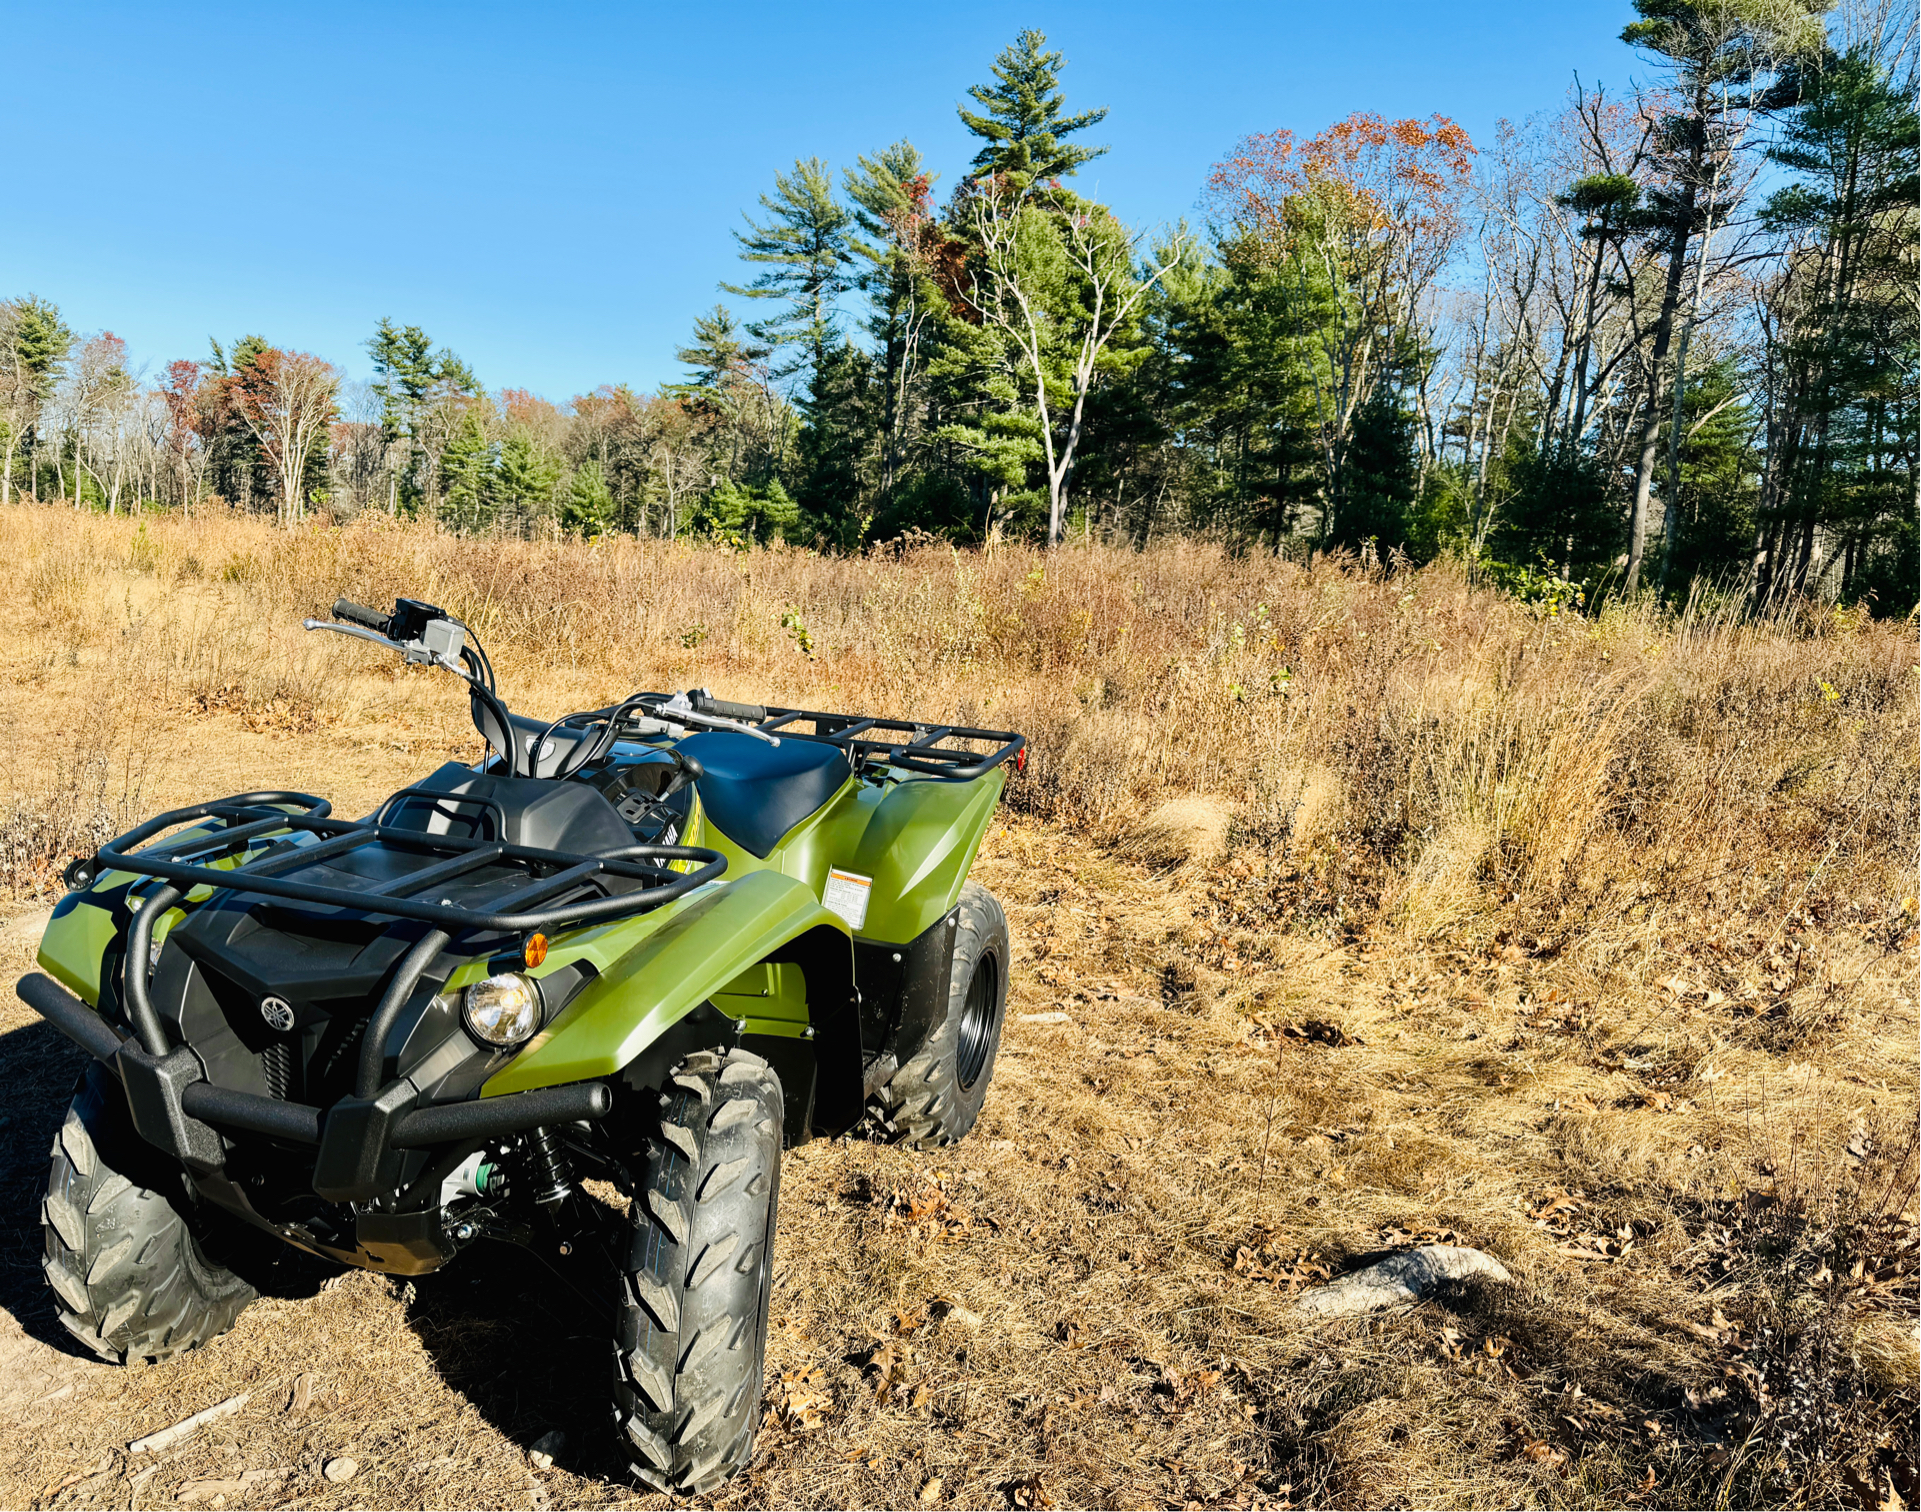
(410, 617)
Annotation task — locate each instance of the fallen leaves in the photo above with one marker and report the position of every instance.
(1559, 1210)
(927, 1211)
(1176, 1388)
(1543, 1453)
(888, 1377)
(1320, 1032)
(1599, 1247)
(1274, 1267)
(1718, 1330)
(1396, 1237)
(1260, 1033)
(1494, 1356)
(801, 1401)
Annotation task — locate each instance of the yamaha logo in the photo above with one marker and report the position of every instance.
(278, 1013)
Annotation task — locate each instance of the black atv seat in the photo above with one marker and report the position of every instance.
(755, 792)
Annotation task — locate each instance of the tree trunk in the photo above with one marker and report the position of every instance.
(1651, 427)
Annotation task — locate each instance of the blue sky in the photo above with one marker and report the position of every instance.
(550, 190)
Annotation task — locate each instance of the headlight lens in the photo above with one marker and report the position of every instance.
(503, 1010)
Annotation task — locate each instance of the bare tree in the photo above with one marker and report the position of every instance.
(287, 400)
(1057, 285)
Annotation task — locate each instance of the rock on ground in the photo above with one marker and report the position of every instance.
(1400, 1280)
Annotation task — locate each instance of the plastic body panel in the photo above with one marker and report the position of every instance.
(918, 848)
(916, 839)
(697, 949)
(87, 924)
(76, 942)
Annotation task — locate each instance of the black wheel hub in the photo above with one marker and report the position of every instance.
(977, 1024)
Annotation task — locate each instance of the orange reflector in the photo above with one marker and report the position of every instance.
(535, 950)
(1020, 759)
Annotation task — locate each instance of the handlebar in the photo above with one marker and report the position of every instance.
(354, 613)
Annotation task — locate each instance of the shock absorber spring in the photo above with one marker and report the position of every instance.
(550, 1173)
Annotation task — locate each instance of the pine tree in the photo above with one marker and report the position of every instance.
(466, 472)
(408, 376)
(744, 515)
(1379, 476)
(1711, 522)
(589, 504)
(1020, 119)
(34, 341)
(1843, 439)
(892, 194)
(528, 473)
(236, 466)
(1559, 514)
(1721, 58)
(803, 245)
(1241, 346)
(833, 447)
(729, 391)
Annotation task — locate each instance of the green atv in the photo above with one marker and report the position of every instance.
(646, 945)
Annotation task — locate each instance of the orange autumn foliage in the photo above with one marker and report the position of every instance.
(1365, 179)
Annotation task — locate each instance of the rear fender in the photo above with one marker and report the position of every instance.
(762, 963)
(918, 848)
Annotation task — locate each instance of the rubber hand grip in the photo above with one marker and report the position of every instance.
(354, 614)
(752, 713)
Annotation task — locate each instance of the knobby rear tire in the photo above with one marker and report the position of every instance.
(691, 1335)
(130, 1275)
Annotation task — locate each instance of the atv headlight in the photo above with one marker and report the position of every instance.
(503, 1011)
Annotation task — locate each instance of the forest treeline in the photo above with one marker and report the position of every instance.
(1640, 341)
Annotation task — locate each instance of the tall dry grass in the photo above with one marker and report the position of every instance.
(1380, 908)
(1407, 748)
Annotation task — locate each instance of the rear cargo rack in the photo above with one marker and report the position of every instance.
(868, 740)
(925, 750)
(249, 818)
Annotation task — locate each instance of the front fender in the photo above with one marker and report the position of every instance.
(706, 946)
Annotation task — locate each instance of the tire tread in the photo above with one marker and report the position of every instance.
(687, 1388)
(132, 1278)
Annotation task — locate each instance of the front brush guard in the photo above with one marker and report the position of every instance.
(176, 1109)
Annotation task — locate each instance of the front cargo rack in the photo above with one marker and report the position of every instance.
(543, 902)
(248, 818)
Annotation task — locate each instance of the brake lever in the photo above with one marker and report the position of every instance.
(358, 632)
(413, 651)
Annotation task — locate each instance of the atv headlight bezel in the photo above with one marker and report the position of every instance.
(504, 1011)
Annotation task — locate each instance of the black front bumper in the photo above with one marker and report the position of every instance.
(177, 1109)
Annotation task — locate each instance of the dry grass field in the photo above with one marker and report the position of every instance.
(1380, 909)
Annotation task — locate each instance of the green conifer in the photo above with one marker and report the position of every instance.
(1020, 118)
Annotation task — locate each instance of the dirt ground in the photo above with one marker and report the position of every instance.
(1695, 1156)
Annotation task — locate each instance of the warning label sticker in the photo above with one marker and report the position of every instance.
(847, 896)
